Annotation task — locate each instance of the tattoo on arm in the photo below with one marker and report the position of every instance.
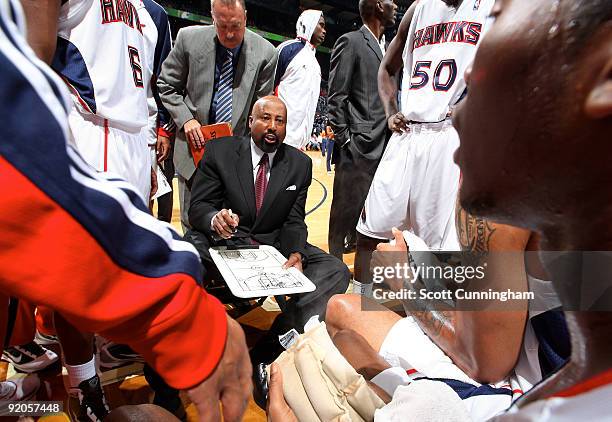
(474, 232)
(434, 322)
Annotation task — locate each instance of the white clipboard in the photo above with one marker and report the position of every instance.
(257, 272)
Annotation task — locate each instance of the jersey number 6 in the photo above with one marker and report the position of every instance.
(420, 77)
(136, 66)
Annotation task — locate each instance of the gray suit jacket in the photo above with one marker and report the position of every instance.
(187, 80)
(355, 109)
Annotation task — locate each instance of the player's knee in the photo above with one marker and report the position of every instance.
(339, 308)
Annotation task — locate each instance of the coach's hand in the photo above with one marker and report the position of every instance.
(398, 123)
(224, 223)
(162, 148)
(230, 383)
(193, 134)
(295, 260)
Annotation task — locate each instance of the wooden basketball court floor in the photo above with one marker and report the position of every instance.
(134, 390)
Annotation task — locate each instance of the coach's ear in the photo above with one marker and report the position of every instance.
(599, 101)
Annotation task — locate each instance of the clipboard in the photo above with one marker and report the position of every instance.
(256, 272)
(218, 130)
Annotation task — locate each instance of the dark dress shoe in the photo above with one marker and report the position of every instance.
(260, 385)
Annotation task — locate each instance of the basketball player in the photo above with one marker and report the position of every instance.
(101, 55)
(415, 185)
(83, 243)
(541, 88)
(298, 77)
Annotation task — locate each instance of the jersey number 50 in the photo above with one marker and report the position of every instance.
(420, 77)
(136, 66)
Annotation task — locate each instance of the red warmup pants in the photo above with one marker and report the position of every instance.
(29, 318)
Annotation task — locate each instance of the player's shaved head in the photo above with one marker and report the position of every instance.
(268, 123)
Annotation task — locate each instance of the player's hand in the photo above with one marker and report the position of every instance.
(278, 410)
(162, 148)
(225, 223)
(230, 383)
(193, 134)
(295, 260)
(391, 255)
(398, 123)
(153, 184)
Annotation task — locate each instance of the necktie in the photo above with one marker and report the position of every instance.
(223, 110)
(261, 182)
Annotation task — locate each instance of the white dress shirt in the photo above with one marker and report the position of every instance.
(256, 155)
(381, 41)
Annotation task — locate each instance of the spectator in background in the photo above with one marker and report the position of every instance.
(298, 77)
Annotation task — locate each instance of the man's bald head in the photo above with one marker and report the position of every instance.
(268, 123)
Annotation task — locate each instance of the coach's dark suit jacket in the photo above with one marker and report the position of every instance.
(355, 110)
(224, 179)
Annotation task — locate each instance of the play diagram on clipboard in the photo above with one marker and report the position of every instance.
(258, 272)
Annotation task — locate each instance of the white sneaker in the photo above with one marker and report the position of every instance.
(19, 388)
(30, 357)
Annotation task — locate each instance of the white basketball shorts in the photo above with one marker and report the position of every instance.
(406, 346)
(415, 186)
(113, 149)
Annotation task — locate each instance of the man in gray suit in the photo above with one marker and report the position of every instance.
(357, 116)
(213, 74)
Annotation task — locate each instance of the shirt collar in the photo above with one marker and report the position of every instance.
(381, 41)
(256, 155)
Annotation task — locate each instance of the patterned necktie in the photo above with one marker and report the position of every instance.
(261, 182)
(223, 110)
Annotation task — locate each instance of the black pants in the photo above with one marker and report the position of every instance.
(352, 180)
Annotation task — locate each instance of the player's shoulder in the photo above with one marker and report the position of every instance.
(290, 49)
(154, 8)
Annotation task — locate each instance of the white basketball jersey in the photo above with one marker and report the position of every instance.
(101, 56)
(441, 44)
(588, 401)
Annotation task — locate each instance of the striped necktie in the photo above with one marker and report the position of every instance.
(223, 110)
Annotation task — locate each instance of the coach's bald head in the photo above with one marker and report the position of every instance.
(268, 123)
(382, 10)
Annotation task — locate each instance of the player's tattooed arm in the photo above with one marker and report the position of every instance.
(474, 233)
(42, 20)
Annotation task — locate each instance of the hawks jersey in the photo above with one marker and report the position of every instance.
(586, 401)
(101, 56)
(441, 44)
(84, 243)
(158, 43)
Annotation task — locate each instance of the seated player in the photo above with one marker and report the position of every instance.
(540, 81)
(264, 183)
